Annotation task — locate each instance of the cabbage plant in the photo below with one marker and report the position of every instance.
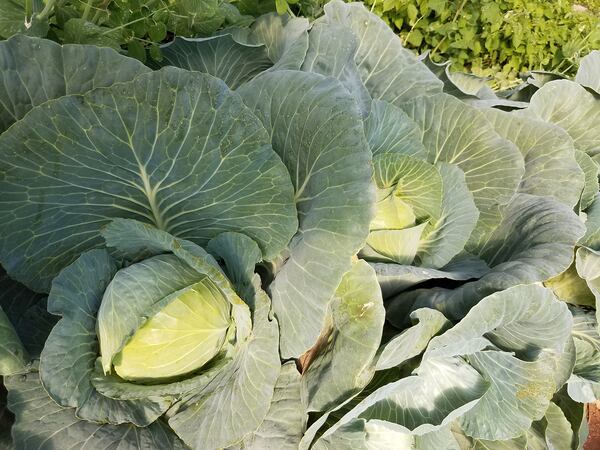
(294, 235)
(169, 331)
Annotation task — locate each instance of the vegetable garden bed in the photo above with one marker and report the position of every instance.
(294, 235)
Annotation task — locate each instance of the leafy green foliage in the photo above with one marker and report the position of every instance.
(497, 39)
(135, 25)
(293, 235)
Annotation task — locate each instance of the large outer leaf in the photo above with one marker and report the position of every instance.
(220, 56)
(240, 255)
(389, 130)
(285, 38)
(43, 425)
(413, 341)
(584, 383)
(389, 71)
(446, 236)
(342, 364)
(443, 390)
(590, 177)
(285, 422)
(36, 70)
(534, 242)
(517, 346)
(588, 73)
(550, 165)
(458, 134)
(24, 325)
(173, 148)
(238, 55)
(395, 278)
(361, 434)
(517, 349)
(316, 129)
(561, 427)
(237, 400)
(27, 313)
(68, 359)
(573, 108)
(327, 57)
(591, 239)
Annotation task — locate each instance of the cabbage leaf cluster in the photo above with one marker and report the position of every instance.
(294, 235)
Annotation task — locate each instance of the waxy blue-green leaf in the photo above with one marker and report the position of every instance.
(41, 424)
(331, 52)
(37, 70)
(238, 55)
(285, 422)
(24, 326)
(551, 168)
(413, 341)
(172, 148)
(240, 255)
(584, 383)
(446, 235)
(458, 134)
(340, 364)
(316, 130)
(467, 87)
(69, 356)
(388, 71)
(533, 242)
(389, 130)
(571, 107)
(220, 56)
(361, 434)
(588, 73)
(514, 348)
(395, 278)
(441, 390)
(561, 427)
(518, 348)
(285, 38)
(590, 179)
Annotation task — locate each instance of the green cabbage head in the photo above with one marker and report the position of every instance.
(157, 325)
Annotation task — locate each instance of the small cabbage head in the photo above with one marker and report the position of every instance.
(180, 338)
(424, 213)
(409, 200)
